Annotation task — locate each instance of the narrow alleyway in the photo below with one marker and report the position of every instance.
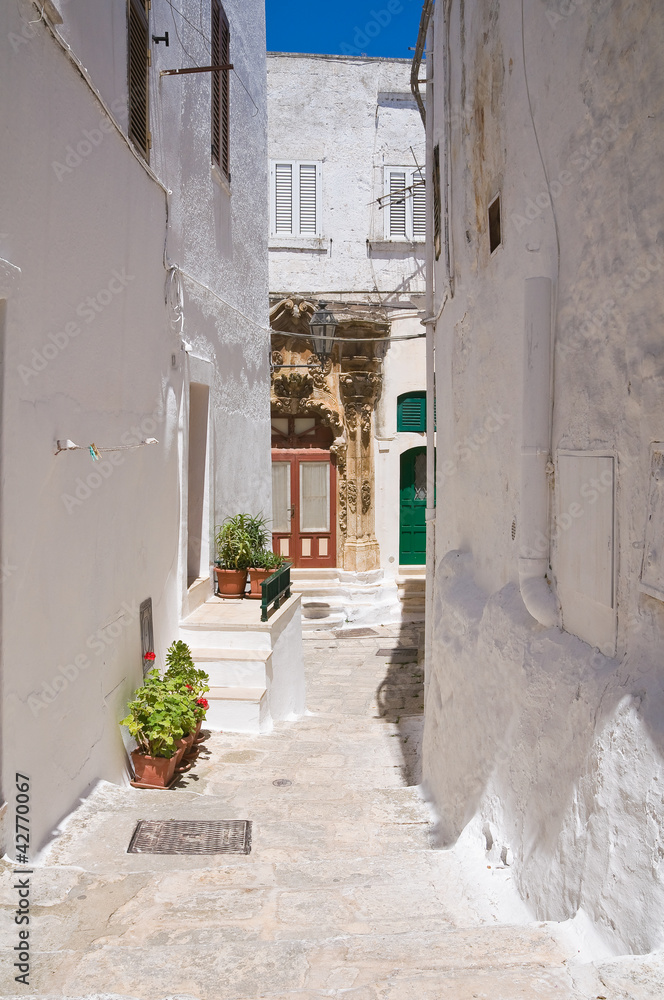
(341, 895)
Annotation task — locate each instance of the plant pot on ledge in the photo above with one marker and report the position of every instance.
(265, 564)
(231, 582)
(235, 548)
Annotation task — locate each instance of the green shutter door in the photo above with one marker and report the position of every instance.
(413, 502)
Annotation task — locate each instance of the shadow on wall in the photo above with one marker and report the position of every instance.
(559, 748)
(400, 700)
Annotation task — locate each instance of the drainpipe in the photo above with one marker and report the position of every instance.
(429, 297)
(534, 540)
(425, 37)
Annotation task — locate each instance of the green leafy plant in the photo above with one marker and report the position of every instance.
(265, 559)
(159, 716)
(182, 673)
(259, 535)
(234, 542)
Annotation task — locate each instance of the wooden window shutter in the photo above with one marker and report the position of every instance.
(138, 64)
(308, 220)
(419, 206)
(412, 412)
(220, 53)
(283, 197)
(397, 203)
(437, 240)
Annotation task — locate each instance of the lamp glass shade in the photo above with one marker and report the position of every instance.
(323, 326)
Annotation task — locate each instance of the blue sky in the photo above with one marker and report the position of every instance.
(346, 27)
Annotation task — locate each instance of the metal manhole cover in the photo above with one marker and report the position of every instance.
(403, 654)
(197, 836)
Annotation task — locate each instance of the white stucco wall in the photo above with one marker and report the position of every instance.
(557, 747)
(94, 352)
(359, 117)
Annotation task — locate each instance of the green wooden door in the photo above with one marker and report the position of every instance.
(412, 507)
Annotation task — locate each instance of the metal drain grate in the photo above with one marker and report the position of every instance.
(197, 836)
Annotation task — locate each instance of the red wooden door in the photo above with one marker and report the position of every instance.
(304, 489)
(304, 510)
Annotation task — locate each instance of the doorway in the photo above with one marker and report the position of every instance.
(197, 480)
(303, 492)
(412, 508)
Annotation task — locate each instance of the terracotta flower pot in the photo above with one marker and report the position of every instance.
(157, 771)
(231, 582)
(256, 577)
(184, 746)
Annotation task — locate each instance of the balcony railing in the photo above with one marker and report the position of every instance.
(274, 589)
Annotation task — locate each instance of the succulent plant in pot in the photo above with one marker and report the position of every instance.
(234, 543)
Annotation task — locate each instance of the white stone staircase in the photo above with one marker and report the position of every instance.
(238, 687)
(334, 597)
(255, 668)
(411, 584)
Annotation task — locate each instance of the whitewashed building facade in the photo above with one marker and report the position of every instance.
(347, 227)
(133, 323)
(545, 688)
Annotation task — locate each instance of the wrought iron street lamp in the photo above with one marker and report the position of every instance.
(323, 326)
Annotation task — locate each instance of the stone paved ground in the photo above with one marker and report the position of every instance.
(342, 894)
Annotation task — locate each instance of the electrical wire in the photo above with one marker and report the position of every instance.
(348, 340)
(190, 23)
(175, 10)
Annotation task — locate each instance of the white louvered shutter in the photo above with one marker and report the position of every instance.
(283, 197)
(397, 203)
(419, 206)
(308, 220)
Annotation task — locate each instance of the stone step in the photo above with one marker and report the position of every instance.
(411, 582)
(244, 668)
(237, 710)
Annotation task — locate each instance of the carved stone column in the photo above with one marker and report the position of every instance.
(344, 395)
(359, 390)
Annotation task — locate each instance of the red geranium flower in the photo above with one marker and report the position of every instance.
(188, 687)
(149, 656)
(204, 703)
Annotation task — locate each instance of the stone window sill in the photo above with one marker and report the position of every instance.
(298, 243)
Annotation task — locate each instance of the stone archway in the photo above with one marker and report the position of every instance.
(344, 394)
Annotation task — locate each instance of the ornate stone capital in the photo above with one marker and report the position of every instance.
(293, 386)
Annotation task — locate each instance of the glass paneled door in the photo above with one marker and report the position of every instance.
(303, 508)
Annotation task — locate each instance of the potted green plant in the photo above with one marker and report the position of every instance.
(158, 718)
(185, 676)
(265, 563)
(233, 540)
